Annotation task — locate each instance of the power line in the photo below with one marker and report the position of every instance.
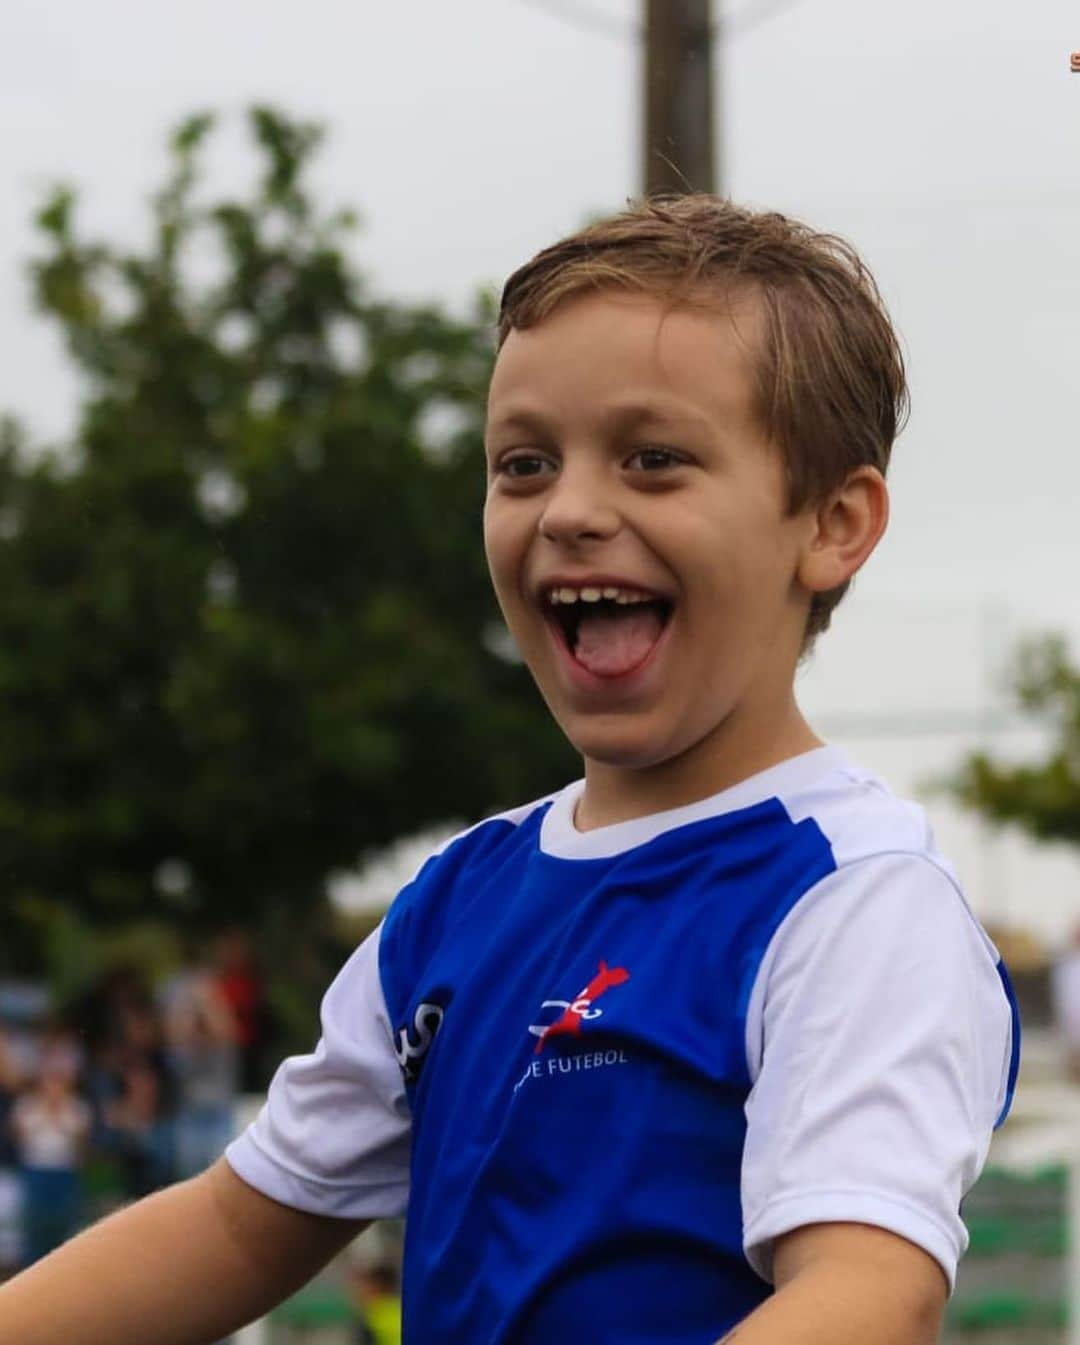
(920, 724)
(588, 20)
(752, 16)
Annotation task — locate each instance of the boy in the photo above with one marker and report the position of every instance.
(709, 1042)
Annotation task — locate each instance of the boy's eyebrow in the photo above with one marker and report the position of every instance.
(644, 413)
(518, 420)
(623, 417)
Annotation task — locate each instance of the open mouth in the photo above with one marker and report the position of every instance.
(609, 631)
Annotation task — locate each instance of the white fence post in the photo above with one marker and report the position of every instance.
(258, 1333)
(1073, 1259)
(1045, 1128)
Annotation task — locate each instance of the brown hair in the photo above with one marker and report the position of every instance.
(831, 389)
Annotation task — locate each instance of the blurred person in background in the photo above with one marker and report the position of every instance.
(50, 1125)
(11, 1080)
(134, 1090)
(202, 1049)
(57, 1050)
(241, 983)
(102, 1009)
(137, 1130)
(378, 1299)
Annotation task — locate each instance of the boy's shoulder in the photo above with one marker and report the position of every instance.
(861, 818)
(859, 815)
(490, 841)
(491, 832)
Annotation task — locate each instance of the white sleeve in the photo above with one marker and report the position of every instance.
(879, 1040)
(333, 1137)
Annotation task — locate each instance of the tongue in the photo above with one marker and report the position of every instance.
(611, 643)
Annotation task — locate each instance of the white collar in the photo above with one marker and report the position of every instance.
(560, 838)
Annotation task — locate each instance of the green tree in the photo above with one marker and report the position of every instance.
(245, 627)
(1041, 797)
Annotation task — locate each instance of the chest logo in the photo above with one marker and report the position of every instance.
(579, 1010)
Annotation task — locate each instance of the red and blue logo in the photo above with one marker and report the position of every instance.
(581, 1009)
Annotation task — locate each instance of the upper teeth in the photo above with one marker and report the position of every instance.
(589, 594)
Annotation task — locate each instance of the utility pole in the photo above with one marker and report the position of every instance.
(679, 152)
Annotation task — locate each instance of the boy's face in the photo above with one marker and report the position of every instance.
(629, 480)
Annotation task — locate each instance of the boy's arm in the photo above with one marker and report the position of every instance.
(846, 1284)
(184, 1267)
(884, 1049)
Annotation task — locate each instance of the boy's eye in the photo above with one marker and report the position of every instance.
(653, 459)
(523, 465)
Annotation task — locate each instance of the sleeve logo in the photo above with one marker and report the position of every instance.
(414, 1041)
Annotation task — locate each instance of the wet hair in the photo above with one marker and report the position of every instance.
(830, 385)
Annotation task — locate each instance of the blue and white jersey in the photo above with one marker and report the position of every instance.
(602, 1072)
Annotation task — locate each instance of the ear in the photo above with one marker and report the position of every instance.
(848, 525)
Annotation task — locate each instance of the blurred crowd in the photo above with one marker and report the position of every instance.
(133, 1087)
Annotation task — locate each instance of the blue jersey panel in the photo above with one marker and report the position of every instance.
(573, 1037)
(1014, 1055)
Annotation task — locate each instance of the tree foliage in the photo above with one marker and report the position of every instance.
(246, 631)
(1042, 797)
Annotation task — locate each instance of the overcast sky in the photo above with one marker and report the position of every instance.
(943, 140)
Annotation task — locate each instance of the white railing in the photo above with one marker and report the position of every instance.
(1044, 1129)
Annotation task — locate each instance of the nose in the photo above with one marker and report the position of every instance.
(579, 507)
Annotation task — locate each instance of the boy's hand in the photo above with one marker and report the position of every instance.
(846, 1284)
(184, 1267)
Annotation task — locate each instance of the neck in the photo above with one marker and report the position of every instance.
(727, 756)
